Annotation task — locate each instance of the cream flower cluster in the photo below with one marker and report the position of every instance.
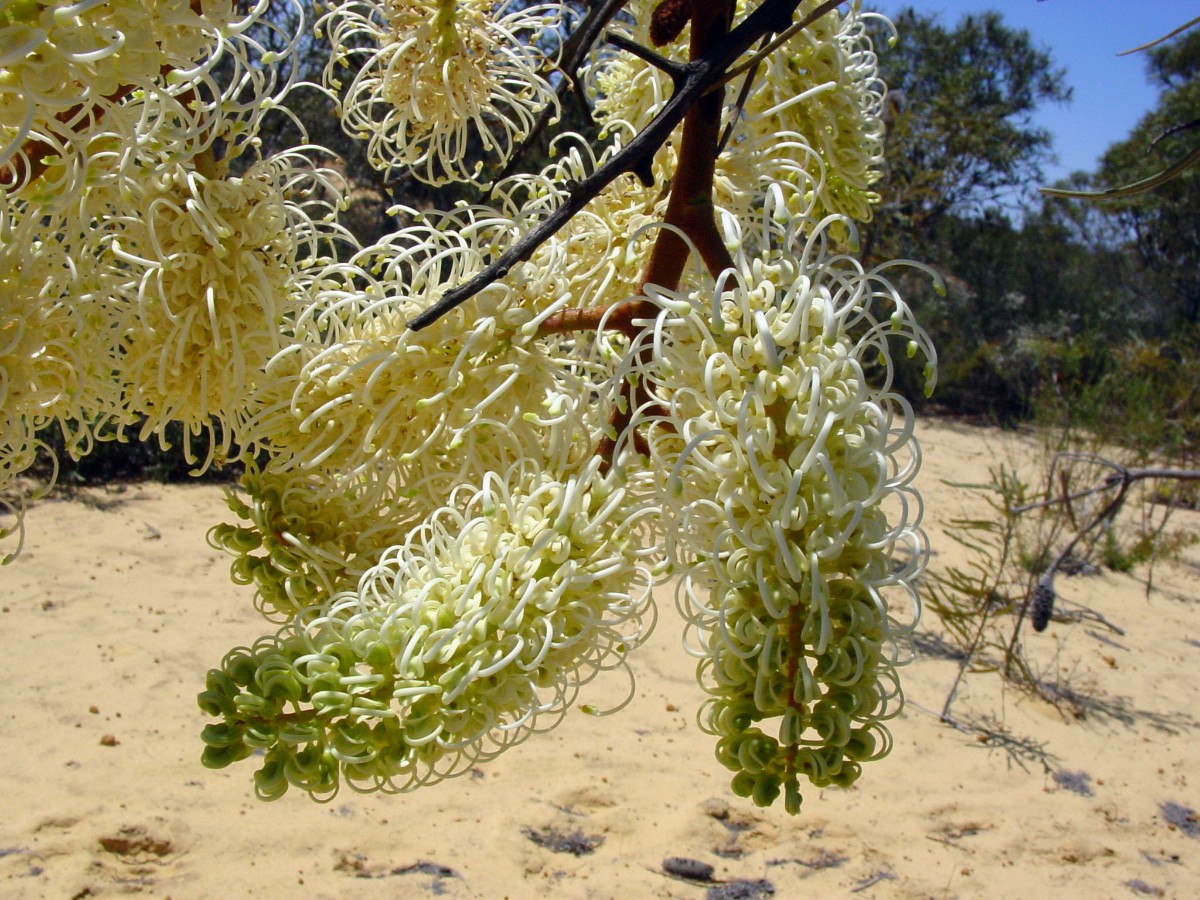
(476, 631)
(299, 543)
(211, 268)
(368, 426)
(823, 89)
(779, 478)
(154, 301)
(431, 77)
(374, 405)
(146, 283)
(42, 359)
(73, 59)
(790, 494)
(453, 530)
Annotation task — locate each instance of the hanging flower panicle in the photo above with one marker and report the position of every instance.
(475, 632)
(66, 68)
(812, 119)
(823, 88)
(454, 530)
(299, 543)
(763, 401)
(213, 267)
(790, 496)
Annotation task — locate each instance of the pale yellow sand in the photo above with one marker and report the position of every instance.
(112, 616)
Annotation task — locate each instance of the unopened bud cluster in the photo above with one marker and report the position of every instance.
(459, 642)
(789, 480)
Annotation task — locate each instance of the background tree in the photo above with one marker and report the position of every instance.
(960, 137)
(1164, 224)
(961, 147)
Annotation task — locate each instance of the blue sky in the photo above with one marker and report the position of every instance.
(1084, 37)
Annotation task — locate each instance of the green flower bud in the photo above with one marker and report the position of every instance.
(831, 724)
(298, 733)
(222, 734)
(240, 668)
(766, 789)
(861, 746)
(791, 727)
(252, 706)
(743, 784)
(756, 751)
(271, 781)
(846, 774)
(218, 699)
(276, 677)
(220, 757)
(791, 795)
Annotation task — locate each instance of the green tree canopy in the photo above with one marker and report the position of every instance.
(961, 135)
(1164, 224)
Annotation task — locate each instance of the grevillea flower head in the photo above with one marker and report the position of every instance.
(812, 121)
(40, 358)
(475, 632)
(823, 88)
(791, 464)
(591, 260)
(625, 89)
(435, 76)
(71, 59)
(367, 400)
(213, 266)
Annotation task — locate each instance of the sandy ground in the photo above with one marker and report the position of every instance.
(117, 608)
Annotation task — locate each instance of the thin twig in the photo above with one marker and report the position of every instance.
(1123, 475)
(1166, 37)
(739, 106)
(964, 664)
(1129, 190)
(648, 56)
(1177, 128)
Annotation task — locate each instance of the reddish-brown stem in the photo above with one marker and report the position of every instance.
(690, 206)
(689, 209)
(622, 319)
(573, 319)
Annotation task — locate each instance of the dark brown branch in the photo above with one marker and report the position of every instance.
(648, 56)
